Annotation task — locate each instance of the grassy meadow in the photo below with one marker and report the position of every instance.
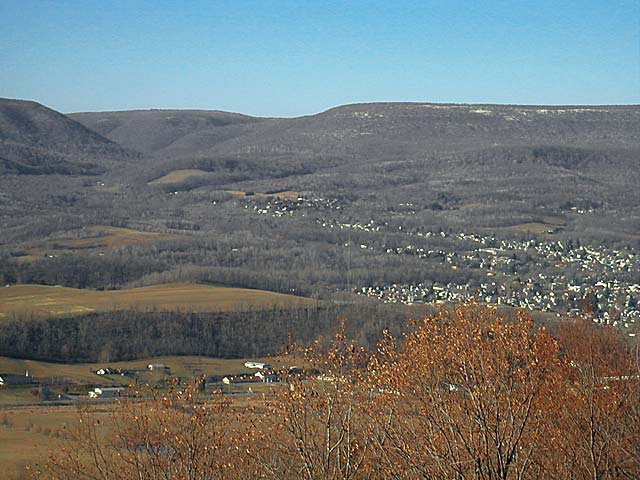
(181, 366)
(177, 176)
(29, 433)
(94, 240)
(44, 300)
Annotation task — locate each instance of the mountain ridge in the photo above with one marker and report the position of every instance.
(35, 139)
(148, 131)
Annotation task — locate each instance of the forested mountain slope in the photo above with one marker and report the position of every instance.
(153, 131)
(37, 140)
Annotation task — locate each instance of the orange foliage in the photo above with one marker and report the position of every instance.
(465, 394)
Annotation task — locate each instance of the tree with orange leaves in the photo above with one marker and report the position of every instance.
(466, 394)
(151, 435)
(319, 426)
(472, 393)
(601, 419)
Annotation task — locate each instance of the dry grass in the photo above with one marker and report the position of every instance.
(556, 221)
(285, 195)
(16, 395)
(177, 176)
(42, 300)
(28, 435)
(181, 366)
(96, 239)
(548, 223)
(19, 448)
(532, 227)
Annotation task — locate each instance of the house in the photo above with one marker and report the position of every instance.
(105, 392)
(266, 377)
(111, 371)
(9, 379)
(258, 365)
(157, 367)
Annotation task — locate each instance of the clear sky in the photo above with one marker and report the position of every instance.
(289, 58)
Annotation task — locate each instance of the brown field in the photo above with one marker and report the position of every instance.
(177, 176)
(43, 300)
(96, 239)
(286, 195)
(548, 223)
(558, 221)
(28, 434)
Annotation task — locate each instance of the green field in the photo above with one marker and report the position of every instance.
(43, 300)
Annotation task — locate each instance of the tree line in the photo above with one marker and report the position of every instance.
(126, 335)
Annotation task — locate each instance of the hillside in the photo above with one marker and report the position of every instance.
(154, 131)
(37, 140)
(363, 128)
(529, 207)
(549, 155)
(408, 128)
(44, 301)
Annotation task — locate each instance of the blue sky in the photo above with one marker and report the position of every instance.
(289, 58)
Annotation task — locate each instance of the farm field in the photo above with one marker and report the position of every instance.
(283, 195)
(181, 366)
(177, 176)
(548, 223)
(43, 300)
(94, 240)
(29, 434)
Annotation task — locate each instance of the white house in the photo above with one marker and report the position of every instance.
(157, 367)
(258, 365)
(105, 392)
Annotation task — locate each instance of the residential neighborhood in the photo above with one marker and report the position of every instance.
(543, 272)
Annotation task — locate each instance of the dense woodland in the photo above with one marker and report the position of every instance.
(125, 335)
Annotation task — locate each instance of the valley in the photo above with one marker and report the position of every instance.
(198, 240)
(524, 206)
(46, 301)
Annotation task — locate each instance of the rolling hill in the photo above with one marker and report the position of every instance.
(35, 139)
(361, 129)
(499, 157)
(44, 301)
(396, 201)
(157, 131)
